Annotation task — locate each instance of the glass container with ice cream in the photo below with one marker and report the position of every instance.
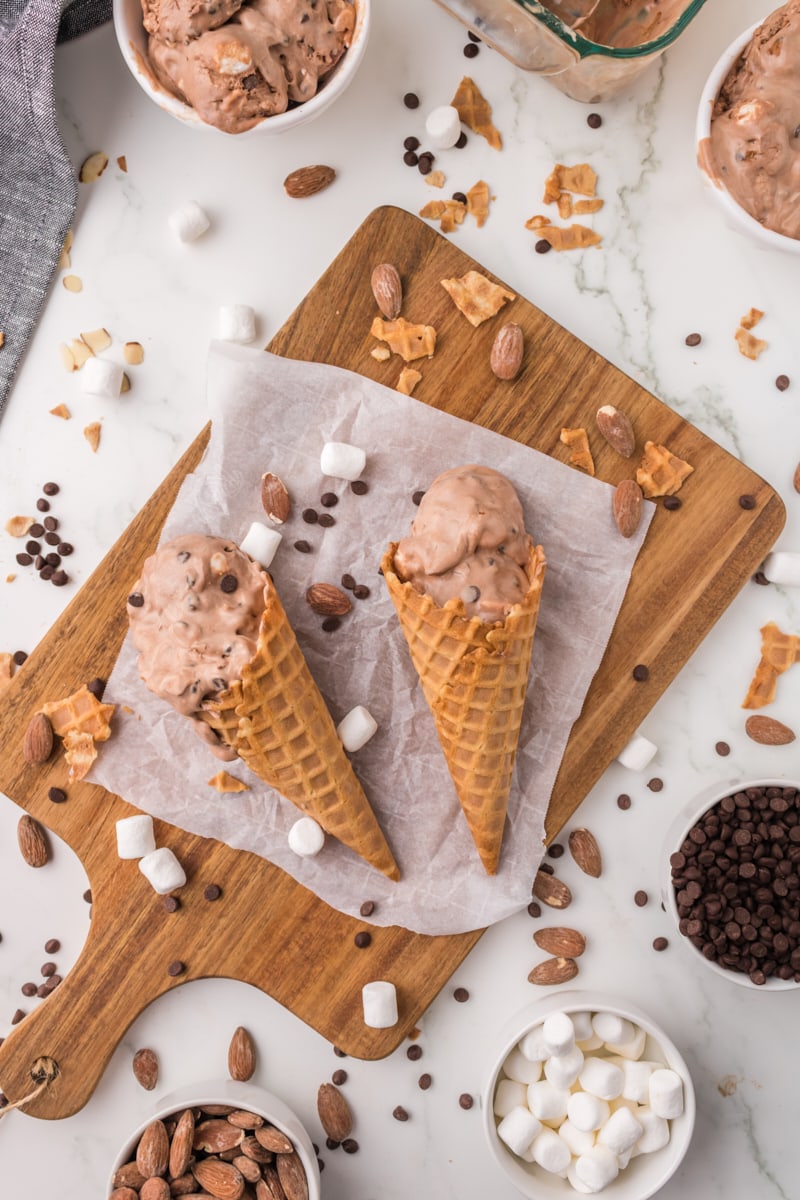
(590, 49)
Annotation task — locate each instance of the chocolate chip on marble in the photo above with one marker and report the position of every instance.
(48, 969)
(326, 520)
(594, 120)
(310, 516)
(411, 100)
(350, 1146)
(782, 383)
(424, 1081)
(52, 946)
(693, 339)
(461, 995)
(399, 1113)
(465, 1100)
(65, 549)
(623, 801)
(655, 784)
(462, 141)
(640, 898)
(556, 850)
(339, 1052)
(542, 246)
(59, 578)
(361, 591)
(416, 499)
(411, 143)
(43, 505)
(51, 489)
(761, 579)
(410, 158)
(534, 909)
(36, 530)
(471, 50)
(329, 499)
(723, 749)
(660, 943)
(330, 624)
(24, 559)
(414, 1053)
(359, 487)
(29, 989)
(17, 1017)
(339, 1077)
(348, 582)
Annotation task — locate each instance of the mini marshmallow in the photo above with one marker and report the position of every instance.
(507, 1095)
(582, 1025)
(656, 1131)
(340, 460)
(637, 754)
(551, 1152)
(237, 323)
(577, 1184)
(782, 567)
(558, 1034)
(597, 1168)
(546, 1102)
(99, 377)
(532, 1045)
(601, 1077)
(666, 1093)
(379, 999)
(306, 837)
(578, 1140)
(261, 543)
(356, 728)
(520, 1068)
(443, 127)
(637, 1079)
(621, 1131)
(163, 870)
(590, 1043)
(587, 1112)
(634, 1048)
(518, 1129)
(562, 1070)
(612, 1028)
(135, 836)
(624, 1159)
(188, 222)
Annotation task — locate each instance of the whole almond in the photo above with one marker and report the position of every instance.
(248, 1167)
(627, 506)
(245, 1120)
(796, 478)
(180, 1150)
(128, 1175)
(155, 1188)
(551, 890)
(307, 181)
(292, 1176)
(586, 852)
(553, 971)
(275, 498)
(219, 1179)
(328, 600)
(616, 428)
(768, 732)
(182, 1185)
(152, 1153)
(124, 1193)
(241, 1056)
(334, 1112)
(272, 1139)
(507, 349)
(560, 941)
(37, 745)
(215, 1135)
(387, 290)
(255, 1150)
(269, 1188)
(145, 1068)
(32, 842)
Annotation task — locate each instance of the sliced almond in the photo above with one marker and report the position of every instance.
(307, 181)
(32, 842)
(560, 941)
(64, 257)
(627, 506)
(92, 435)
(125, 386)
(586, 852)
(72, 283)
(615, 426)
(133, 353)
(67, 358)
(97, 340)
(768, 731)
(92, 167)
(553, 971)
(551, 890)
(122, 162)
(80, 351)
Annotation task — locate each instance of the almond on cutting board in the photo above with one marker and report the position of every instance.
(616, 428)
(37, 744)
(507, 350)
(387, 290)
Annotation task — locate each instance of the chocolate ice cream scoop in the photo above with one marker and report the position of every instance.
(468, 541)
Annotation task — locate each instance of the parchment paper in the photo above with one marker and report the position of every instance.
(274, 414)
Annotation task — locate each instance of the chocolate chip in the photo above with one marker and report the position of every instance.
(672, 503)
(623, 801)
(359, 487)
(473, 37)
(24, 560)
(330, 624)
(33, 547)
(747, 501)
(332, 1144)
(97, 687)
(39, 562)
(339, 1077)
(46, 572)
(660, 943)
(339, 1053)
(29, 989)
(542, 246)
(136, 599)
(424, 1081)
(310, 516)
(17, 1017)
(228, 584)
(414, 1053)
(302, 546)
(56, 795)
(693, 339)
(425, 165)
(176, 967)
(556, 850)
(640, 899)
(43, 505)
(48, 969)
(465, 1100)
(362, 939)
(50, 524)
(782, 383)
(399, 1113)
(534, 909)
(52, 946)
(212, 892)
(460, 197)
(348, 582)
(410, 158)
(417, 498)
(36, 530)
(546, 869)
(761, 579)
(171, 903)
(51, 489)
(42, 991)
(461, 995)
(594, 120)
(326, 520)
(462, 141)
(65, 549)
(723, 749)
(655, 784)
(59, 578)
(19, 657)
(411, 143)
(471, 50)
(411, 100)
(350, 1146)
(361, 591)
(641, 673)
(53, 560)
(367, 908)
(329, 499)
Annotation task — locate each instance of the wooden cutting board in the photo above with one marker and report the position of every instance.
(693, 562)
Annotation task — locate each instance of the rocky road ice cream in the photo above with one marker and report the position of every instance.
(469, 541)
(236, 63)
(194, 618)
(754, 148)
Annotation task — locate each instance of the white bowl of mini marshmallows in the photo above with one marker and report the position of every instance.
(587, 1095)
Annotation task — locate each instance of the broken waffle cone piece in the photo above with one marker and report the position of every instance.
(661, 473)
(276, 720)
(478, 202)
(224, 782)
(749, 345)
(474, 677)
(403, 338)
(779, 651)
(570, 237)
(475, 111)
(580, 455)
(476, 296)
(80, 720)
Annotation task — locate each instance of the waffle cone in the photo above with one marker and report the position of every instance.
(278, 723)
(474, 677)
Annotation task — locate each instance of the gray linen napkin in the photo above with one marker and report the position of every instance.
(38, 187)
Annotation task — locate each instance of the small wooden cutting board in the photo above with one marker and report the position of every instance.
(694, 561)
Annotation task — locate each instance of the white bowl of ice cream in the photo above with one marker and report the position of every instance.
(747, 150)
(251, 1107)
(661, 1142)
(228, 66)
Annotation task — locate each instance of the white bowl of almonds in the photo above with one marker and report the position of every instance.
(217, 1139)
(586, 1094)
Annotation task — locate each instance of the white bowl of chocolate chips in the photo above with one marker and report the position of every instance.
(732, 881)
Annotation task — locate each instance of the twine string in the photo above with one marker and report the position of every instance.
(43, 1072)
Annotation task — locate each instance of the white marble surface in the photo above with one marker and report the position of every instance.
(668, 266)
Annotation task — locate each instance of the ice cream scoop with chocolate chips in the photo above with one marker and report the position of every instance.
(194, 618)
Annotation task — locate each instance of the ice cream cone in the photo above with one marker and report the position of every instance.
(276, 720)
(474, 677)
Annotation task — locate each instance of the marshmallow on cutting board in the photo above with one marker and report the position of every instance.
(162, 870)
(379, 999)
(135, 836)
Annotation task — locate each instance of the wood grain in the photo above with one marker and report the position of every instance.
(691, 566)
